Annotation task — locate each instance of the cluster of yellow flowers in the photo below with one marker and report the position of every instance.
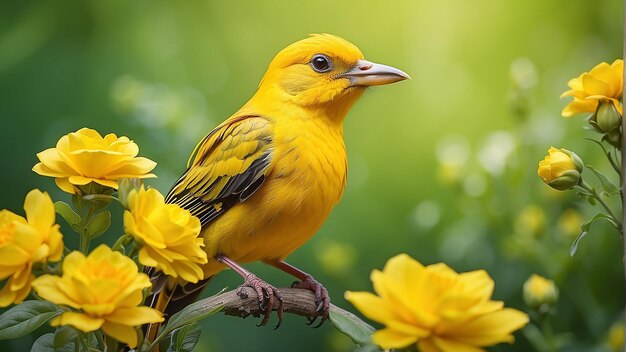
(599, 92)
(105, 288)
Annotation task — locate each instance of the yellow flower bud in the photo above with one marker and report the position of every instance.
(539, 291)
(560, 169)
(606, 118)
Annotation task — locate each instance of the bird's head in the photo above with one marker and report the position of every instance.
(323, 71)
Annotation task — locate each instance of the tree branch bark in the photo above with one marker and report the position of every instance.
(295, 301)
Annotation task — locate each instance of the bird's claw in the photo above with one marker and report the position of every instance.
(322, 299)
(267, 294)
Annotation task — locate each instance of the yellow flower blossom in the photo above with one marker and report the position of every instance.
(85, 156)
(435, 308)
(603, 83)
(24, 242)
(107, 289)
(539, 291)
(560, 169)
(169, 235)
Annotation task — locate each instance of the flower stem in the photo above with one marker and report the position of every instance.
(101, 340)
(584, 185)
(83, 341)
(121, 243)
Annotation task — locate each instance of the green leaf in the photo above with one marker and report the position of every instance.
(367, 348)
(45, 343)
(64, 335)
(349, 324)
(584, 230)
(67, 213)
(25, 318)
(185, 339)
(607, 185)
(188, 316)
(99, 224)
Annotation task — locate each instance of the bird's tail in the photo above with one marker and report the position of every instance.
(170, 299)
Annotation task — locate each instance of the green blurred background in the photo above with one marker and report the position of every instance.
(442, 167)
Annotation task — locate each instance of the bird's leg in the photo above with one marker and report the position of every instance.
(266, 292)
(307, 282)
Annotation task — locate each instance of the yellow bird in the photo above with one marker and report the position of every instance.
(263, 181)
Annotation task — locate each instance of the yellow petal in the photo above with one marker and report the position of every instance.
(80, 321)
(387, 339)
(73, 262)
(107, 183)
(122, 333)
(478, 282)
(596, 86)
(39, 210)
(47, 286)
(491, 328)
(80, 180)
(135, 316)
(579, 106)
(65, 185)
(13, 255)
(55, 239)
(449, 345)
(13, 292)
(372, 306)
(23, 292)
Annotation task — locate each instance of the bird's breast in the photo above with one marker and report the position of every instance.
(311, 167)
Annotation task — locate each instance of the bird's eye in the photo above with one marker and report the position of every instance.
(321, 63)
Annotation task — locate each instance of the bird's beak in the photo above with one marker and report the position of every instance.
(367, 73)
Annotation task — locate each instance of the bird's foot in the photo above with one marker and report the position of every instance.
(267, 294)
(322, 299)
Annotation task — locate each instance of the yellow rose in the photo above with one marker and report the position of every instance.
(603, 83)
(85, 156)
(435, 308)
(24, 242)
(560, 169)
(168, 233)
(539, 291)
(107, 289)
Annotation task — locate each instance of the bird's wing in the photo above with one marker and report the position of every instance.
(227, 167)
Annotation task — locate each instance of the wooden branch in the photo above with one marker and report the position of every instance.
(295, 301)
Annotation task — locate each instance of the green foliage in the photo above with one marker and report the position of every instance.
(586, 227)
(188, 316)
(47, 343)
(23, 319)
(185, 339)
(359, 331)
(99, 224)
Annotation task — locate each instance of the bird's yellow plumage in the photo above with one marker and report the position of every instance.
(263, 181)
